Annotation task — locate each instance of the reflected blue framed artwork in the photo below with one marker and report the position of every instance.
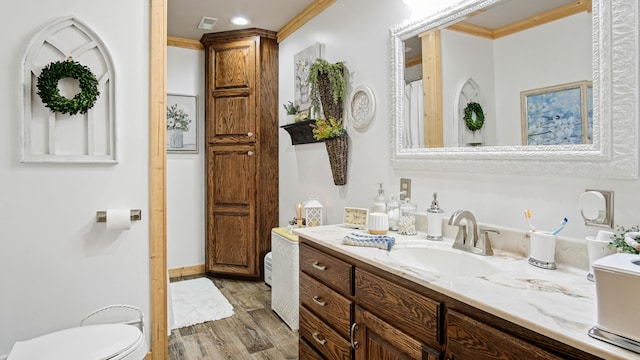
(557, 115)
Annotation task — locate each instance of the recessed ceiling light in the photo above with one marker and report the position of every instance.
(207, 23)
(239, 20)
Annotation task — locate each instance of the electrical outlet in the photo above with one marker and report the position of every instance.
(405, 185)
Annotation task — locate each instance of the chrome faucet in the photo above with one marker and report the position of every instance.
(468, 237)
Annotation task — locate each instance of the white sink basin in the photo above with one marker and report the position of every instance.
(443, 261)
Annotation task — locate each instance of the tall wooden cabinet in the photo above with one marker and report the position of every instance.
(241, 117)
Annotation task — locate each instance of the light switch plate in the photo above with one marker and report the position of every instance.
(405, 185)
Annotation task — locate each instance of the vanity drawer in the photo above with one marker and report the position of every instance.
(329, 270)
(420, 316)
(327, 304)
(306, 352)
(471, 339)
(324, 339)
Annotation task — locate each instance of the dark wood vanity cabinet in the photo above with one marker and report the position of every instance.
(352, 310)
(241, 126)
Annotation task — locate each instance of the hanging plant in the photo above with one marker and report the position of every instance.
(318, 72)
(50, 94)
(471, 109)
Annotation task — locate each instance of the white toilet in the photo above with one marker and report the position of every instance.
(120, 341)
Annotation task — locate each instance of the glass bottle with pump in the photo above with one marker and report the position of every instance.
(379, 201)
(434, 220)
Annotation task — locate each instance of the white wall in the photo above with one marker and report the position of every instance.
(185, 172)
(466, 56)
(56, 263)
(356, 31)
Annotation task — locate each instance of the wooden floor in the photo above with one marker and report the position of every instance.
(253, 332)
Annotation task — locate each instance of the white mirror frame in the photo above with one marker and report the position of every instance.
(614, 152)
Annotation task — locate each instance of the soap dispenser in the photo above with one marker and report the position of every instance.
(379, 201)
(434, 220)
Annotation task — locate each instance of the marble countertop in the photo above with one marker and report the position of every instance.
(560, 304)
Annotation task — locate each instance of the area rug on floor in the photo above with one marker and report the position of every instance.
(197, 301)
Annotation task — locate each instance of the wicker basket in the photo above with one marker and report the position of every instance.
(338, 150)
(329, 108)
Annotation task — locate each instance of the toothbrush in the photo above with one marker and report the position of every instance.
(527, 216)
(562, 224)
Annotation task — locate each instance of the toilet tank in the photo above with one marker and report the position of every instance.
(617, 293)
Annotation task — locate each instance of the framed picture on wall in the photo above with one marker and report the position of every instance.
(556, 115)
(182, 124)
(301, 63)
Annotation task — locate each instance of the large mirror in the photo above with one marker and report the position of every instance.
(519, 87)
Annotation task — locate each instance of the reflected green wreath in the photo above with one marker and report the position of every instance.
(473, 108)
(50, 94)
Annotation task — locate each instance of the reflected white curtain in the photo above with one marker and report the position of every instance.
(414, 115)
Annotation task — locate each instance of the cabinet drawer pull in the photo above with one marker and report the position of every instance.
(317, 300)
(249, 153)
(318, 266)
(352, 334)
(249, 134)
(318, 340)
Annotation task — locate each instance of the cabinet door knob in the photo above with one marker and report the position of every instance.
(317, 300)
(318, 340)
(352, 333)
(249, 134)
(318, 266)
(250, 153)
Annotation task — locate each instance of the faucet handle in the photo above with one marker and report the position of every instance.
(488, 250)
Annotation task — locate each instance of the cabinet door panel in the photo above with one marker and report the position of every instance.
(231, 110)
(377, 339)
(231, 245)
(330, 306)
(234, 64)
(232, 176)
(472, 340)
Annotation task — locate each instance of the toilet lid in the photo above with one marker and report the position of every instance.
(92, 342)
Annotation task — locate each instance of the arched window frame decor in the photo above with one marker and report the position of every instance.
(61, 138)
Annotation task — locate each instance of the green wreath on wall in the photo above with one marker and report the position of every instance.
(50, 94)
(473, 108)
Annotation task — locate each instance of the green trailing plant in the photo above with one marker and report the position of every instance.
(290, 108)
(471, 109)
(335, 73)
(328, 128)
(617, 240)
(50, 94)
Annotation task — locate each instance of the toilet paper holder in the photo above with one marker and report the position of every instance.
(136, 215)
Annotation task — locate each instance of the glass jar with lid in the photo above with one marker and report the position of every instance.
(407, 220)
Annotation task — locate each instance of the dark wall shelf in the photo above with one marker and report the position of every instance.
(301, 132)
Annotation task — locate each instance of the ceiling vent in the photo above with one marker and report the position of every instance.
(207, 23)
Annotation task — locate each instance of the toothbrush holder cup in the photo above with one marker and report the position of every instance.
(543, 250)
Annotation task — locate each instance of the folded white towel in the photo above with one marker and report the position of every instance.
(379, 241)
